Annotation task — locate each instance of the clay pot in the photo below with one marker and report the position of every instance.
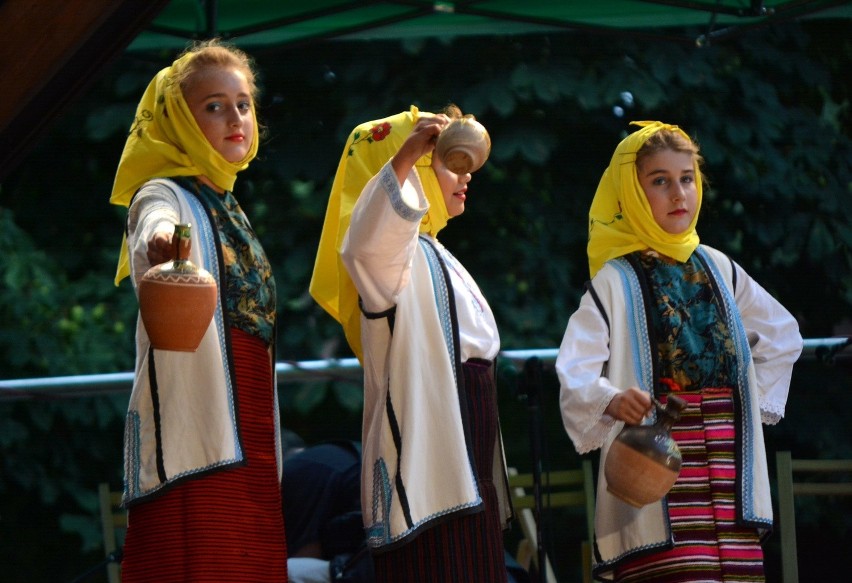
(644, 461)
(177, 299)
(464, 145)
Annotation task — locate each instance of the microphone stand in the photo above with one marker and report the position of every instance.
(532, 385)
(113, 557)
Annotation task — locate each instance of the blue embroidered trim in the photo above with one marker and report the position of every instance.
(442, 300)
(131, 454)
(175, 477)
(133, 447)
(604, 565)
(643, 367)
(431, 517)
(378, 534)
(207, 240)
(391, 186)
(382, 495)
(205, 236)
(743, 354)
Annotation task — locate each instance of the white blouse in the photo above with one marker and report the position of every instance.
(379, 248)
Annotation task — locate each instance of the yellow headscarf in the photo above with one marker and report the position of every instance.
(369, 147)
(620, 218)
(165, 141)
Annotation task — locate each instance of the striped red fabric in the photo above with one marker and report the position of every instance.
(709, 545)
(227, 525)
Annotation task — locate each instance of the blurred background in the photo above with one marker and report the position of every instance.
(765, 91)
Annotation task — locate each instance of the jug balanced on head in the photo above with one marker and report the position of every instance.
(464, 145)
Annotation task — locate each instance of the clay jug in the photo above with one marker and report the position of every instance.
(177, 298)
(464, 145)
(644, 461)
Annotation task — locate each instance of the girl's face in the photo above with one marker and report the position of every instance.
(453, 187)
(220, 101)
(668, 179)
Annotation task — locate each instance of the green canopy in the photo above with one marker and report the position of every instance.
(50, 69)
(264, 23)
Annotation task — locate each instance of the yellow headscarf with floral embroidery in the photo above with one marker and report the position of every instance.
(165, 141)
(369, 147)
(620, 218)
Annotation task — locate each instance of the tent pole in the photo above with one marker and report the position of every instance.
(211, 9)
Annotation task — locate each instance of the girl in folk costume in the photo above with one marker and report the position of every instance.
(664, 315)
(434, 488)
(202, 442)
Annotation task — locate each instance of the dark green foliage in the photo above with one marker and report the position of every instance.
(770, 109)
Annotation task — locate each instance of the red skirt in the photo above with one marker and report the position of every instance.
(225, 525)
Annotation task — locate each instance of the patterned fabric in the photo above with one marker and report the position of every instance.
(709, 545)
(466, 548)
(250, 295)
(695, 350)
(223, 526)
(693, 341)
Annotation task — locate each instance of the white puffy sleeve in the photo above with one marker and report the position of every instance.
(585, 390)
(775, 341)
(154, 208)
(379, 245)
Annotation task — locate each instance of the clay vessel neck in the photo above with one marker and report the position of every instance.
(668, 414)
(181, 248)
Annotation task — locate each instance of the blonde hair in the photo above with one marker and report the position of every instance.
(669, 140)
(452, 111)
(214, 53)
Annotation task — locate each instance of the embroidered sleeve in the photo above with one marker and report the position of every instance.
(382, 236)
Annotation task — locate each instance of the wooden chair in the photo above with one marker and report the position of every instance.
(559, 489)
(113, 526)
(789, 488)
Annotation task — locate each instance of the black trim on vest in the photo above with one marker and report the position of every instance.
(390, 314)
(155, 403)
(733, 276)
(590, 288)
(223, 293)
(645, 286)
(191, 187)
(397, 440)
(736, 392)
(633, 261)
(714, 285)
(460, 388)
(457, 364)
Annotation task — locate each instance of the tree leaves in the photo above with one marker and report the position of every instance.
(769, 108)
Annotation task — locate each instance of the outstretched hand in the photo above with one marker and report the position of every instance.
(419, 142)
(160, 248)
(630, 406)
